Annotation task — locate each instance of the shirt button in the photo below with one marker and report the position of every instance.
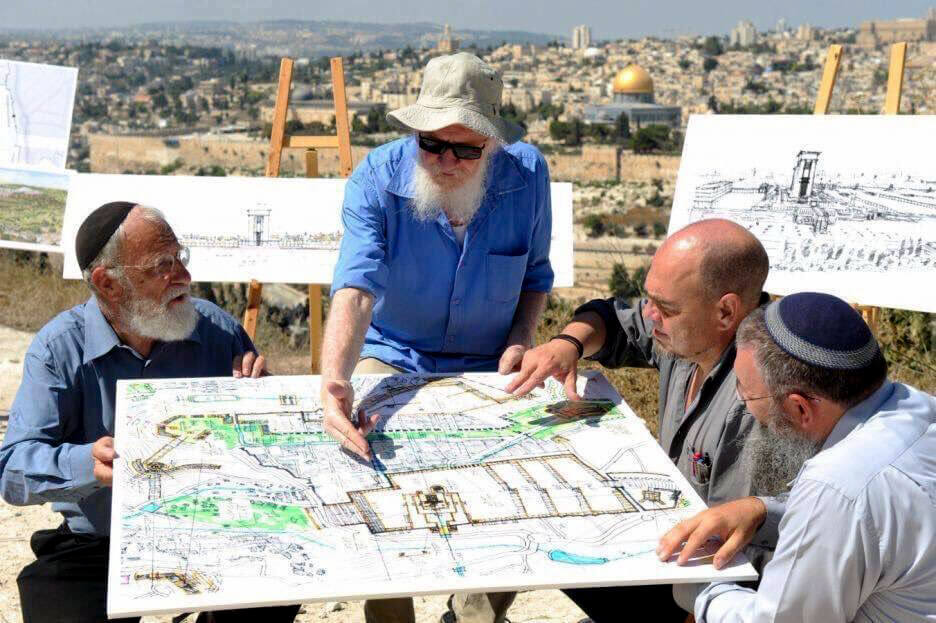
(451, 338)
(456, 301)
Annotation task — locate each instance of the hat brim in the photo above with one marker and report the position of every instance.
(418, 118)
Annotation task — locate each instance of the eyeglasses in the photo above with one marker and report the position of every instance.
(164, 264)
(462, 152)
(737, 391)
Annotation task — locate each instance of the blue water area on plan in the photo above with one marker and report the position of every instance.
(574, 559)
(151, 507)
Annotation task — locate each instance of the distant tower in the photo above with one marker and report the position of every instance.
(804, 175)
(258, 225)
(744, 34)
(581, 37)
(448, 44)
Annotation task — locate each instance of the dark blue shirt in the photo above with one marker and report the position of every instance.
(66, 403)
(440, 306)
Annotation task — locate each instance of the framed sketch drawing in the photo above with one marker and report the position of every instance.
(843, 204)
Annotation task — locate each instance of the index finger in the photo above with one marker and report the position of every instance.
(247, 363)
(518, 379)
(696, 540)
(530, 381)
(671, 541)
(350, 438)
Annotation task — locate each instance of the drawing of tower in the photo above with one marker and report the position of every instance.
(258, 224)
(804, 175)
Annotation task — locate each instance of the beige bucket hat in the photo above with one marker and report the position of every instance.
(458, 88)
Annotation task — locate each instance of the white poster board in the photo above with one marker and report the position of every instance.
(228, 493)
(274, 230)
(36, 103)
(843, 204)
(32, 206)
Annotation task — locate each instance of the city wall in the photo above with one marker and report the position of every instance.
(138, 154)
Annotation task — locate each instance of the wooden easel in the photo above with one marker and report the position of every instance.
(279, 141)
(898, 59)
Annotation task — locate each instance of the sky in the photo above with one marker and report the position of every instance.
(609, 19)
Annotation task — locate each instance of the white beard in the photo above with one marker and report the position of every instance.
(460, 204)
(157, 321)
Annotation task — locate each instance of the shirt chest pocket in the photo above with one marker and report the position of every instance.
(505, 276)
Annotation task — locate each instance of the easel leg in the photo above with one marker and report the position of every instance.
(315, 328)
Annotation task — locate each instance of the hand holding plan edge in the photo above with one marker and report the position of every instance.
(734, 523)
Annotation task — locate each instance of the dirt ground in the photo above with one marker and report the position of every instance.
(17, 523)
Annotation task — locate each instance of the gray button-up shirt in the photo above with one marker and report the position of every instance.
(704, 440)
(858, 539)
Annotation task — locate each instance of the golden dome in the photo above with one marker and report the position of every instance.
(632, 79)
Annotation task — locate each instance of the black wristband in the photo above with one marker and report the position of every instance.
(571, 340)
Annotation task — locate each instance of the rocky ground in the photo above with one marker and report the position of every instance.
(17, 523)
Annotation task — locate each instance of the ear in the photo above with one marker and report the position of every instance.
(803, 411)
(728, 310)
(106, 286)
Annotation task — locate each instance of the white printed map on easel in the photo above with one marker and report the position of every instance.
(228, 493)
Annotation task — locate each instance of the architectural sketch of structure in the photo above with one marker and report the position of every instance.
(36, 104)
(229, 493)
(835, 210)
(274, 230)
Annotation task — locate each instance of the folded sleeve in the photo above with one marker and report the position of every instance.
(37, 464)
(362, 259)
(628, 341)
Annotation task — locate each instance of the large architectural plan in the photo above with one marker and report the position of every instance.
(36, 103)
(228, 493)
(843, 204)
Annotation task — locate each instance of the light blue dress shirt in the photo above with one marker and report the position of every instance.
(441, 306)
(858, 538)
(66, 402)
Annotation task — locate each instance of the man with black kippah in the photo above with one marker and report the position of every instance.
(858, 535)
(140, 323)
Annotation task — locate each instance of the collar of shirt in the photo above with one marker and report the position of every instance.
(100, 337)
(859, 414)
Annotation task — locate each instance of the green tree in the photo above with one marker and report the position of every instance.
(622, 128)
(713, 46)
(709, 64)
(625, 286)
(654, 137)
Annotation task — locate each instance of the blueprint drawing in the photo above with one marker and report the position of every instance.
(228, 493)
(36, 103)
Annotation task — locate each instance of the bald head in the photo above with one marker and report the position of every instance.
(727, 256)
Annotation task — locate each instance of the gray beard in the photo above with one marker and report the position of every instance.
(459, 204)
(775, 453)
(156, 321)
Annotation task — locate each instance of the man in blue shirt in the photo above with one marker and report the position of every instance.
(444, 263)
(140, 323)
(858, 534)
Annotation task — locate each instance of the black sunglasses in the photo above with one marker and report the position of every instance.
(462, 152)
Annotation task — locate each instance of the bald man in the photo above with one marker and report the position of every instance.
(703, 281)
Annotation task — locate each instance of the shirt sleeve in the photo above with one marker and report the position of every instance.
(37, 465)
(628, 341)
(824, 567)
(539, 272)
(768, 534)
(362, 259)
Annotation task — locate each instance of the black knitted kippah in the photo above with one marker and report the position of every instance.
(97, 229)
(821, 330)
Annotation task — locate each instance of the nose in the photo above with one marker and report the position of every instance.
(448, 159)
(650, 312)
(180, 274)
